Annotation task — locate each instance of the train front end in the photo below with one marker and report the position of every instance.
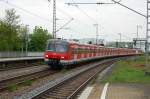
(56, 51)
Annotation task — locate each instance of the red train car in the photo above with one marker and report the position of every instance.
(60, 53)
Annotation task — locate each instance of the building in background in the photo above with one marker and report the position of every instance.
(139, 43)
(91, 41)
(136, 44)
(120, 44)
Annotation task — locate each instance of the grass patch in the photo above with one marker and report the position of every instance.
(27, 82)
(129, 71)
(64, 70)
(12, 87)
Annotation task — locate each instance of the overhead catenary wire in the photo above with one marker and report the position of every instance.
(93, 3)
(64, 25)
(63, 12)
(24, 10)
(87, 15)
(84, 13)
(72, 17)
(68, 15)
(36, 15)
(129, 8)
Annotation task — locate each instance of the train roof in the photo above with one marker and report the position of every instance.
(76, 43)
(73, 42)
(58, 40)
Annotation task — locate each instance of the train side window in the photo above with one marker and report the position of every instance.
(77, 50)
(84, 50)
(73, 50)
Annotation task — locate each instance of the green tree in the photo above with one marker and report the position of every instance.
(24, 36)
(11, 18)
(38, 39)
(9, 35)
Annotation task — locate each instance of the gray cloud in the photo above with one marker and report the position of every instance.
(113, 19)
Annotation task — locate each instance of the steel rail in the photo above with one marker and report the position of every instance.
(83, 84)
(21, 79)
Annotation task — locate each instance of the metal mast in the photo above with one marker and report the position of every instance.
(54, 19)
(147, 33)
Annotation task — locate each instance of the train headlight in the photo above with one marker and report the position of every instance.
(46, 56)
(62, 57)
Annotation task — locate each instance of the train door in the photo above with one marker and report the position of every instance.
(111, 52)
(108, 52)
(79, 52)
(100, 51)
(82, 51)
(75, 52)
(85, 52)
(88, 52)
(72, 52)
(105, 51)
(94, 51)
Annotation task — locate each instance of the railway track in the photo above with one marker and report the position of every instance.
(68, 89)
(16, 63)
(18, 80)
(60, 87)
(21, 79)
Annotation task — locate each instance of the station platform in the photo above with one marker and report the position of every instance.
(19, 59)
(116, 91)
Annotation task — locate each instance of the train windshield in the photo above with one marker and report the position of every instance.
(57, 47)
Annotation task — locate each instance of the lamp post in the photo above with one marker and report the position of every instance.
(137, 32)
(119, 39)
(26, 39)
(96, 25)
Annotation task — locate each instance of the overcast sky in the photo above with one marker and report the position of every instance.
(112, 19)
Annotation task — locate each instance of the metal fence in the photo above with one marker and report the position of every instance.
(20, 54)
(35, 54)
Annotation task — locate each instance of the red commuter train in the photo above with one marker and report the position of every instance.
(60, 53)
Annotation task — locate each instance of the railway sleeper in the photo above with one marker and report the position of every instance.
(64, 90)
(61, 93)
(57, 97)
